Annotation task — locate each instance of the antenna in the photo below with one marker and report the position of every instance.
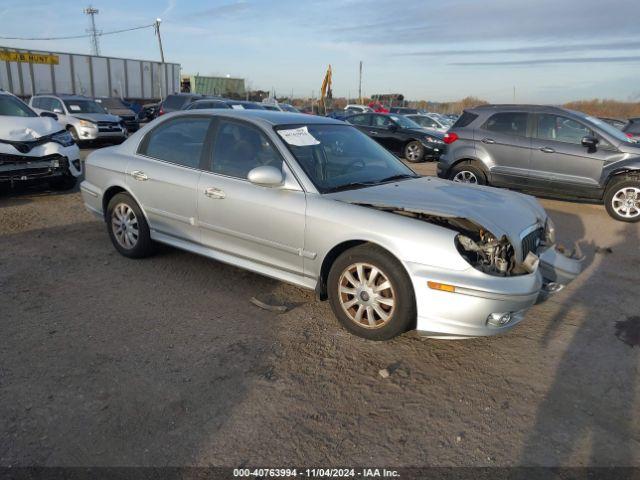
(92, 12)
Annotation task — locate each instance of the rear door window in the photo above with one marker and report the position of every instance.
(178, 141)
(508, 123)
(359, 120)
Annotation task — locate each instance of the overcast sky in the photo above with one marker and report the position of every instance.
(551, 51)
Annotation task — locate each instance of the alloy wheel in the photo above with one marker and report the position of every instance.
(366, 295)
(465, 176)
(626, 202)
(124, 224)
(413, 152)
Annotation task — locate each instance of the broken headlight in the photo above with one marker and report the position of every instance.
(549, 232)
(486, 253)
(63, 138)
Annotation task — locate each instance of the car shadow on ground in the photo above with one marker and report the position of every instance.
(588, 415)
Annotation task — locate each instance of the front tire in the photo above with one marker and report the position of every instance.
(128, 229)
(622, 199)
(414, 152)
(467, 172)
(371, 294)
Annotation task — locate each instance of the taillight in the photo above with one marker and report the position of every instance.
(160, 112)
(450, 137)
(629, 135)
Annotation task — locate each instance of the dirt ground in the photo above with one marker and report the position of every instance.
(109, 361)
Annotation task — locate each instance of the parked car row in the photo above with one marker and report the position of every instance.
(190, 101)
(401, 135)
(550, 151)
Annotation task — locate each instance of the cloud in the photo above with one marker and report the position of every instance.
(226, 10)
(540, 49)
(550, 61)
(471, 21)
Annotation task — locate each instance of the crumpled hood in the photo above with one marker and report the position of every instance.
(502, 212)
(26, 129)
(97, 117)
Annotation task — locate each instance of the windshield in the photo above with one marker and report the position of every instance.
(12, 107)
(83, 106)
(404, 122)
(610, 129)
(340, 157)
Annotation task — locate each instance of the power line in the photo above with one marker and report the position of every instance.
(99, 34)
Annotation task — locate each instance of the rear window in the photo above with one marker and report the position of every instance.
(633, 127)
(465, 119)
(175, 102)
(509, 123)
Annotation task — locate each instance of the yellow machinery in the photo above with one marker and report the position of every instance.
(325, 92)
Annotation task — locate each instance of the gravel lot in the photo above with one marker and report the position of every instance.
(109, 361)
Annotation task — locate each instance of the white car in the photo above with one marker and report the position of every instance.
(35, 147)
(352, 108)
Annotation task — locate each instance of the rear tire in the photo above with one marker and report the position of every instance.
(467, 172)
(127, 227)
(622, 199)
(371, 294)
(414, 152)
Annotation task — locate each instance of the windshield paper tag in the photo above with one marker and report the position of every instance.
(75, 108)
(237, 107)
(299, 137)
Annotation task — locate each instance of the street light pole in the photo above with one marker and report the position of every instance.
(156, 26)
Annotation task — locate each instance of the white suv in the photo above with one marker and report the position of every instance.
(35, 147)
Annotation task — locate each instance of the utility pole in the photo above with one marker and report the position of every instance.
(156, 26)
(514, 94)
(92, 12)
(360, 85)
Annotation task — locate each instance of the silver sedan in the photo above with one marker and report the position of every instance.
(314, 202)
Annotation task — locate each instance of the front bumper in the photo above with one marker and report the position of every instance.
(42, 162)
(465, 312)
(94, 133)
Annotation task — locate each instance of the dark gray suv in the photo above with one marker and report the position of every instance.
(550, 151)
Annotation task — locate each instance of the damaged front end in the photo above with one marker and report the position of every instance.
(498, 256)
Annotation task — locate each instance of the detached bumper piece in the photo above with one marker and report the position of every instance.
(19, 168)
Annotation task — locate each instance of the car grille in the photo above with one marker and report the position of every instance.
(531, 242)
(108, 127)
(8, 159)
(24, 170)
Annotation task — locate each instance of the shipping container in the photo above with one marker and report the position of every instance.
(203, 85)
(27, 72)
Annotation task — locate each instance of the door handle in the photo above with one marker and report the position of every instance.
(138, 175)
(547, 150)
(488, 140)
(214, 193)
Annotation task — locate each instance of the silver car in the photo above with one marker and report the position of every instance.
(316, 203)
(81, 116)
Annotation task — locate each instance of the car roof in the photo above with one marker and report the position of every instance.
(515, 106)
(266, 116)
(66, 96)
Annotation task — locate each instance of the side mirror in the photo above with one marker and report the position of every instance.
(266, 176)
(589, 142)
(49, 114)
